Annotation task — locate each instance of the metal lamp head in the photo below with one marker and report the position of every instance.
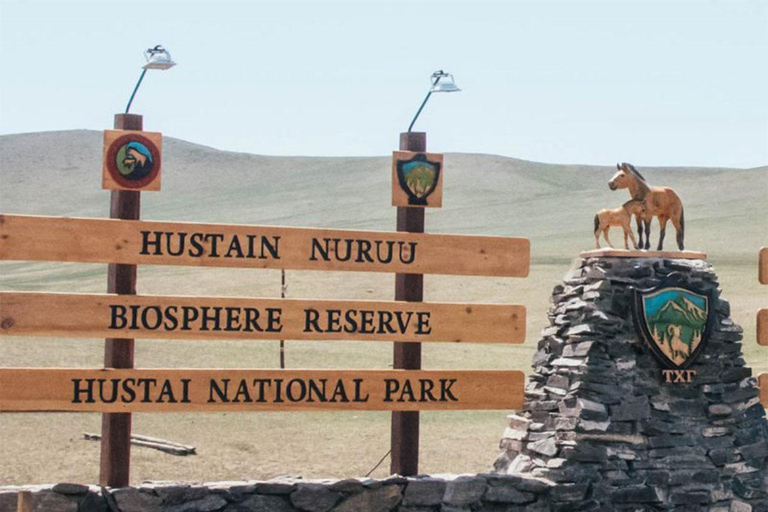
(158, 58)
(443, 82)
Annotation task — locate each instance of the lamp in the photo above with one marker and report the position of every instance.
(157, 58)
(441, 82)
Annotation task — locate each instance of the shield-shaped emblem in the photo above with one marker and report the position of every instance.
(418, 178)
(675, 323)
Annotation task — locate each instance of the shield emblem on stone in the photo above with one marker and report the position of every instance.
(675, 323)
(418, 178)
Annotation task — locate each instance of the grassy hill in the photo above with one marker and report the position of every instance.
(59, 173)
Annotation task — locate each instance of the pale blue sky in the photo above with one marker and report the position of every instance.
(651, 82)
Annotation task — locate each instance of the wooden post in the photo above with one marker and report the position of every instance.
(24, 501)
(408, 287)
(118, 352)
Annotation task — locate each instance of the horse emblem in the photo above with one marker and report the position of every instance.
(675, 323)
(131, 160)
(418, 177)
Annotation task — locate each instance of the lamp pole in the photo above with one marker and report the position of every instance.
(115, 466)
(135, 89)
(407, 356)
(405, 425)
(115, 460)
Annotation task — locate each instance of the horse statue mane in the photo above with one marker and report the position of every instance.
(625, 166)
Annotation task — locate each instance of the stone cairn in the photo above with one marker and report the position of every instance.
(600, 422)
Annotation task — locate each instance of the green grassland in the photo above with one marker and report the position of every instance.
(553, 205)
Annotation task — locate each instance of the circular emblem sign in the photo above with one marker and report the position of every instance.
(133, 161)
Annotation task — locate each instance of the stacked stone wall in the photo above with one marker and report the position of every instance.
(600, 416)
(450, 493)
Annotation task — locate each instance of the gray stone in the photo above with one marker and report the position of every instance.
(515, 434)
(176, 494)
(424, 491)
(275, 487)
(583, 408)
(464, 490)
(259, 503)
(568, 492)
(70, 489)
(47, 501)
(314, 498)
(740, 506)
(637, 494)
(577, 349)
(130, 499)
(348, 485)
(507, 493)
(375, 500)
(545, 447)
(210, 503)
(517, 422)
(91, 502)
(631, 409)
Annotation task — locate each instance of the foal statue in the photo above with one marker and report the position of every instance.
(660, 202)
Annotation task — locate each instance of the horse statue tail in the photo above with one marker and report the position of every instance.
(681, 231)
(597, 223)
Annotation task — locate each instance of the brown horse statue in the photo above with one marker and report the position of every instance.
(619, 217)
(660, 202)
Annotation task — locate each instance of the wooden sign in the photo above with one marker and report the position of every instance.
(132, 160)
(762, 381)
(763, 271)
(762, 327)
(184, 390)
(417, 179)
(217, 245)
(224, 318)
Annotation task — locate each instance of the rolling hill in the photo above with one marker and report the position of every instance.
(58, 173)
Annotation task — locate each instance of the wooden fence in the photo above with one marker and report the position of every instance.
(124, 242)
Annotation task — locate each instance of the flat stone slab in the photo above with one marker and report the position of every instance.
(623, 253)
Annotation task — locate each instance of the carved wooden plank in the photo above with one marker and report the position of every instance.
(624, 253)
(217, 245)
(762, 326)
(132, 316)
(184, 390)
(763, 270)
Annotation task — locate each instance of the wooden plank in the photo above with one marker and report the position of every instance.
(763, 269)
(763, 383)
(227, 318)
(762, 326)
(217, 245)
(624, 253)
(186, 390)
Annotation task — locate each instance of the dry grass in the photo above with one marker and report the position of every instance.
(726, 212)
(48, 447)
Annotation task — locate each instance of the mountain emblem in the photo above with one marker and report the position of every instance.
(675, 323)
(418, 178)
